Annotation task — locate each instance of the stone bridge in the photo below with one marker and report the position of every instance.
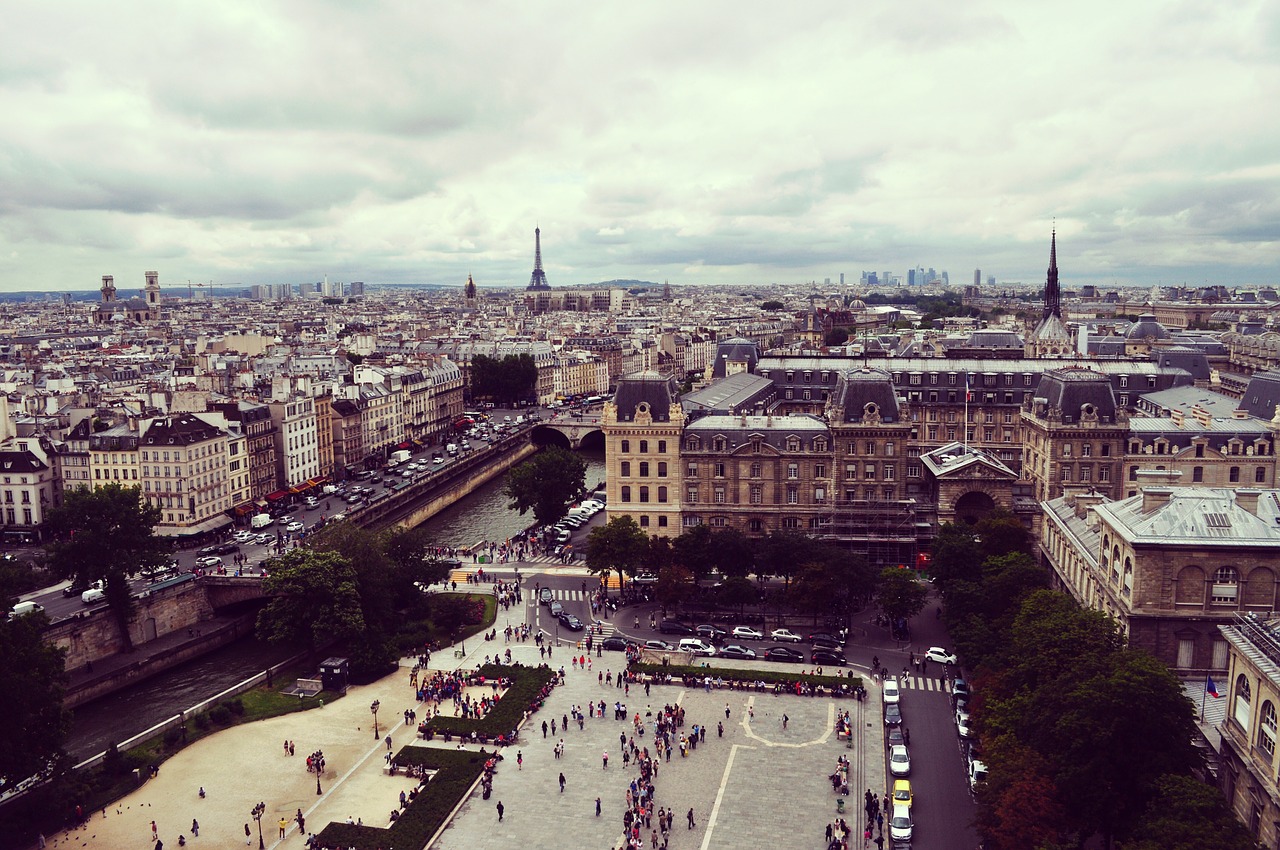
(570, 432)
(226, 591)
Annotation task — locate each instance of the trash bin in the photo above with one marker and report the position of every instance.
(484, 559)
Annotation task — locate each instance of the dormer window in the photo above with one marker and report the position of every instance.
(793, 444)
(719, 444)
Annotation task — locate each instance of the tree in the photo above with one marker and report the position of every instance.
(31, 714)
(738, 592)
(106, 534)
(770, 306)
(510, 379)
(315, 597)
(781, 553)
(836, 336)
(1001, 533)
(1186, 814)
(619, 545)
(899, 596)
(692, 550)
(547, 483)
(658, 555)
(732, 553)
(956, 555)
(675, 584)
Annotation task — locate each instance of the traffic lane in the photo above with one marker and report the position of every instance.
(573, 594)
(944, 811)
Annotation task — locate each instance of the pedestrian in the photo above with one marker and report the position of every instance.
(562, 783)
(519, 759)
(719, 730)
(246, 835)
(785, 719)
(388, 743)
(597, 807)
(544, 728)
(606, 760)
(726, 711)
(284, 824)
(195, 828)
(501, 809)
(154, 832)
(690, 816)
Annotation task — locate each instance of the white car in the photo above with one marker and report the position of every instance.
(294, 527)
(747, 633)
(785, 635)
(264, 539)
(900, 826)
(891, 692)
(209, 562)
(940, 655)
(899, 760)
(962, 723)
(243, 536)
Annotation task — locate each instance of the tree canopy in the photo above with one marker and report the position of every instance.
(899, 595)
(315, 597)
(620, 544)
(508, 380)
(106, 534)
(547, 484)
(31, 714)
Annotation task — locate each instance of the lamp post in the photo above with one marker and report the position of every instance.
(257, 816)
(374, 708)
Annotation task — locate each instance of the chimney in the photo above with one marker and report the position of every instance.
(1177, 417)
(1248, 499)
(1085, 501)
(1154, 497)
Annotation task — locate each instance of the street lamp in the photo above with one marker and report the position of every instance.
(257, 816)
(374, 708)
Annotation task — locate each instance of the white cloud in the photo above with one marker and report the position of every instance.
(277, 142)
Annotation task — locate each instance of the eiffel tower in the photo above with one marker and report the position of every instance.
(539, 278)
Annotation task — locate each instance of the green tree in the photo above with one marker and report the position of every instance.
(509, 380)
(31, 714)
(106, 534)
(619, 545)
(675, 586)
(315, 597)
(1186, 814)
(898, 595)
(547, 483)
(692, 550)
(732, 553)
(1001, 533)
(782, 552)
(658, 555)
(836, 336)
(956, 555)
(738, 592)
(770, 306)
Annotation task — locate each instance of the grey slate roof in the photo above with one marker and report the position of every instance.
(857, 388)
(644, 388)
(1262, 395)
(740, 391)
(1073, 390)
(1197, 516)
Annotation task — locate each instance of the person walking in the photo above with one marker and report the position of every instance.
(154, 832)
(519, 759)
(690, 817)
(605, 759)
(195, 828)
(501, 809)
(562, 783)
(597, 807)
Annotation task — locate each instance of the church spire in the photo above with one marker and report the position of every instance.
(1052, 292)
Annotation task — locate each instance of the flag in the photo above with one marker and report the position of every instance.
(1210, 688)
(968, 388)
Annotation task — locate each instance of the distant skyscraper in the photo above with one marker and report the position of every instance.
(842, 278)
(539, 278)
(911, 277)
(977, 277)
(355, 288)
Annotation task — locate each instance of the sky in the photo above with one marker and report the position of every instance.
(697, 143)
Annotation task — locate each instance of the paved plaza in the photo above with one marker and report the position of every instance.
(759, 784)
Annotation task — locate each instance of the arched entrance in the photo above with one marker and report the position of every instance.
(974, 506)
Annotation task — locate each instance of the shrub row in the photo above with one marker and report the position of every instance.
(731, 674)
(456, 770)
(526, 684)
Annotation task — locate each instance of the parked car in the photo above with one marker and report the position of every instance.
(899, 761)
(959, 692)
(940, 655)
(785, 654)
(674, 627)
(734, 650)
(828, 641)
(785, 635)
(962, 723)
(977, 773)
(747, 633)
(890, 693)
(893, 715)
(827, 656)
(893, 736)
(900, 826)
(660, 645)
(708, 630)
(902, 795)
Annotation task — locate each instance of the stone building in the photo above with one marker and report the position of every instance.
(1251, 687)
(642, 425)
(184, 473)
(1073, 435)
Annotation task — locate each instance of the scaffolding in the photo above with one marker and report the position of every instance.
(886, 533)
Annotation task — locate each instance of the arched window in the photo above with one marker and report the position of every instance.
(1115, 563)
(1226, 586)
(1244, 702)
(1267, 732)
(626, 446)
(1128, 577)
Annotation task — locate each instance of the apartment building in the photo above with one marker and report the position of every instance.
(185, 473)
(296, 442)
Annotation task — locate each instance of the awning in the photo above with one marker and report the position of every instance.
(277, 495)
(211, 524)
(403, 445)
(246, 508)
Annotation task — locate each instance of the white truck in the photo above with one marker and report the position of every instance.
(452, 449)
(399, 457)
(260, 521)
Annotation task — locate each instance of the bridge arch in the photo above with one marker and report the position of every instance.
(569, 435)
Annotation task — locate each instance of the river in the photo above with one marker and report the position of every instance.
(483, 515)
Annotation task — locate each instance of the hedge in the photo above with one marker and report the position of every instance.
(457, 771)
(734, 674)
(526, 684)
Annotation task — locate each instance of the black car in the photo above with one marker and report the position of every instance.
(827, 656)
(893, 736)
(710, 631)
(784, 653)
(614, 643)
(571, 623)
(674, 627)
(734, 650)
(893, 714)
(825, 640)
(226, 548)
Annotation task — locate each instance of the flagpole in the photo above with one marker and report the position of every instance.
(965, 433)
(1203, 693)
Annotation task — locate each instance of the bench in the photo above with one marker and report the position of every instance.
(458, 653)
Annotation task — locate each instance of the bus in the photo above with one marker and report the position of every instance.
(476, 416)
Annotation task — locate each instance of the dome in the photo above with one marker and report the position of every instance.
(857, 304)
(1147, 326)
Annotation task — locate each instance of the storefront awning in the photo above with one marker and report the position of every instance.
(211, 524)
(277, 495)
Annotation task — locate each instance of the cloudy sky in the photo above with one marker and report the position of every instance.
(706, 142)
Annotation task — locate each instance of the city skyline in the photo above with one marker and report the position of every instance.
(247, 144)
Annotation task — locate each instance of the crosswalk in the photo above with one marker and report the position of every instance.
(924, 683)
(462, 574)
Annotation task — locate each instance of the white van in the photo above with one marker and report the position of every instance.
(260, 521)
(93, 595)
(697, 647)
(24, 608)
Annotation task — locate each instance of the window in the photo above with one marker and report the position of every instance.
(790, 522)
(1066, 450)
(819, 470)
(1086, 474)
(871, 448)
(692, 521)
(626, 446)
(793, 470)
(625, 468)
(1133, 473)
(757, 494)
(1260, 475)
(1186, 652)
(755, 470)
(718, 522)
(1244, 702)
(1225, 585)
(1197, 473)
(819, 495)
(644, 447)
(890, 471)
(626, 494)
(644, 494)
(717, 495)
(719, 470)
(793, 495)
(691, 495)
(851, 472)
(644, 521)
(662, 495)
(869, 472)
(1233, 475)
(1106, 450)
(662, 521)
(662, 469)
(1267, 734)
(755, 525)
(913, 470)
(1199, 451)
(1066, 473)
(1104, 473)
(662, 447)
(644, 469)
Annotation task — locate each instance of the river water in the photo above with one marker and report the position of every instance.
(483, 515)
